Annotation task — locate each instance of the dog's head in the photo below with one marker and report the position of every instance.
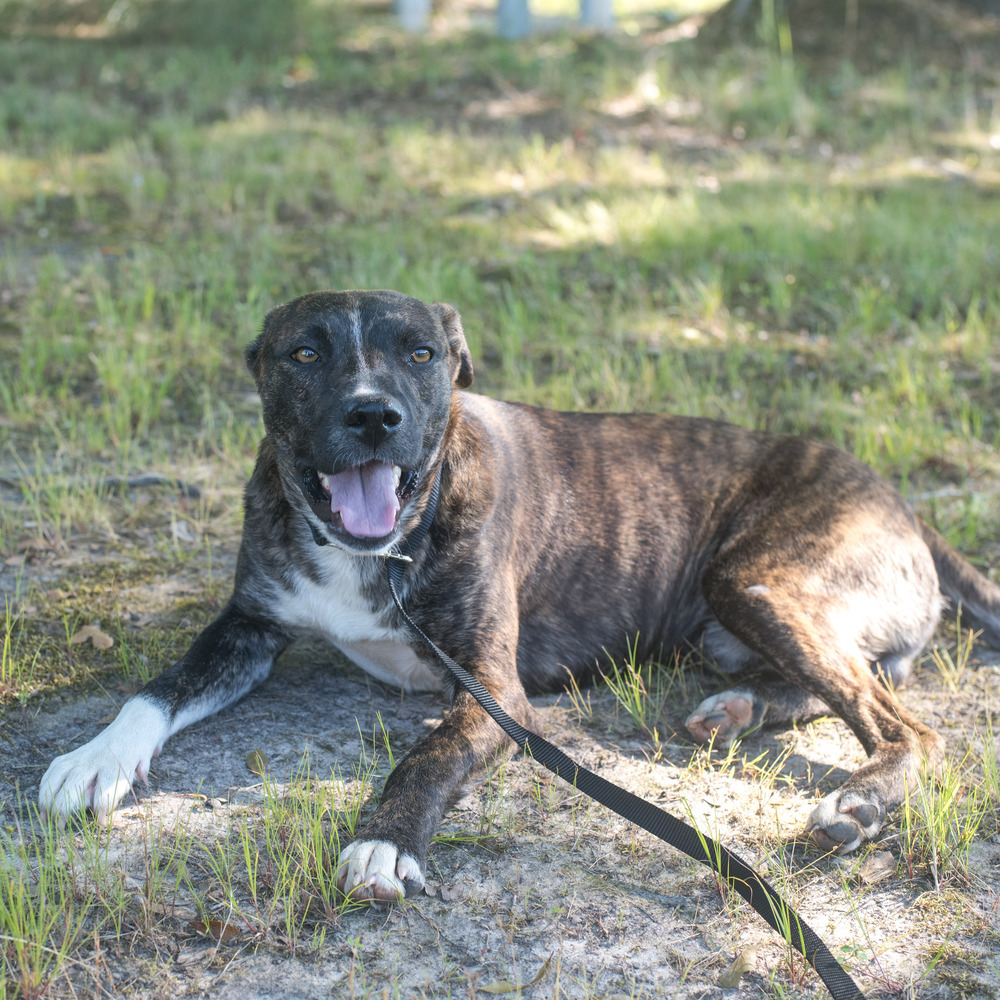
(356, 390)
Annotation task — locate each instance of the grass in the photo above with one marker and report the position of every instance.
(952, 662)
(625, 222)
(639, 689)
(945, 814)
(266, 874)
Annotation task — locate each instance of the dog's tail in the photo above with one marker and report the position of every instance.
(970, 593)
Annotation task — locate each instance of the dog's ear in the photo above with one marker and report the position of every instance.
(460, 356)
(252, 357)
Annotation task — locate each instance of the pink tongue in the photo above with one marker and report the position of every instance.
(366, 499)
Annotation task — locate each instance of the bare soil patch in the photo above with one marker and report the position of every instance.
(546, 881)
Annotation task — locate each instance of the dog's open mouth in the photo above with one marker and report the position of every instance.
(363, 501)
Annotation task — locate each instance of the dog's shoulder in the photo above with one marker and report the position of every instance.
(276, 545)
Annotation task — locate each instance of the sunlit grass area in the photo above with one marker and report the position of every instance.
(621, 224)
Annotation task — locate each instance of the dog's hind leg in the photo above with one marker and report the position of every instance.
(726, 716)
(772, 701)
(968, 591)
(802, 634)
(758, 699)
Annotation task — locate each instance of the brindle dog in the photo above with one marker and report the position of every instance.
(559, 538)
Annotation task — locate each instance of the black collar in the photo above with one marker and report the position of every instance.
(411, 542)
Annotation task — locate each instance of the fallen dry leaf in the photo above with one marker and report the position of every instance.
(218, 930)
(257, 762)
(101, 640)
(877, 867)
(744, 962)
(506, 986)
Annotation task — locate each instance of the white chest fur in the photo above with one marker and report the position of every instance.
(337, 610)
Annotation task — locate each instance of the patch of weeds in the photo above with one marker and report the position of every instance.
(144, 653)
(782, 877)
(853, 955)
(40, 657)
(724, 760)
(497, 802)
(273, 875)
(548, 791)
(641, 690)
(17, 667)
(290, 849)
(46, 620)
(764, 771)
(579, 698)
(43, 919)
(239, 25)
(965, 973)
(952, 662)
(942, 816)
(165, 878)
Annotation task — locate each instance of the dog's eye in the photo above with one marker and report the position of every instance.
(421, 355)
(305, 355)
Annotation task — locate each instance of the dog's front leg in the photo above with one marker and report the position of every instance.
(232, 655)
(387, 859)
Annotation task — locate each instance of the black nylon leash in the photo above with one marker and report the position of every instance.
(741, 877)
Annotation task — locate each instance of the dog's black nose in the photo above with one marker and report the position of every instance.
(373, 420)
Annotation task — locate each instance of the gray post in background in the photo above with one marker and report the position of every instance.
(414, 15)
(597, 14)
(513, 19)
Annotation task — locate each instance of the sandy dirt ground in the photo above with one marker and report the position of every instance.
(559, 891)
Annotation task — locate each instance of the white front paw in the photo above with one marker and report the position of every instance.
(376, 870)
(98, 774)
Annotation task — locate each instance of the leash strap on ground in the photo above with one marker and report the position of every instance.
(740, 876)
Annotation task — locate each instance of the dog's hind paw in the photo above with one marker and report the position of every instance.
(100, 773)
(377, 871)
(723, 717)
(843, 820)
